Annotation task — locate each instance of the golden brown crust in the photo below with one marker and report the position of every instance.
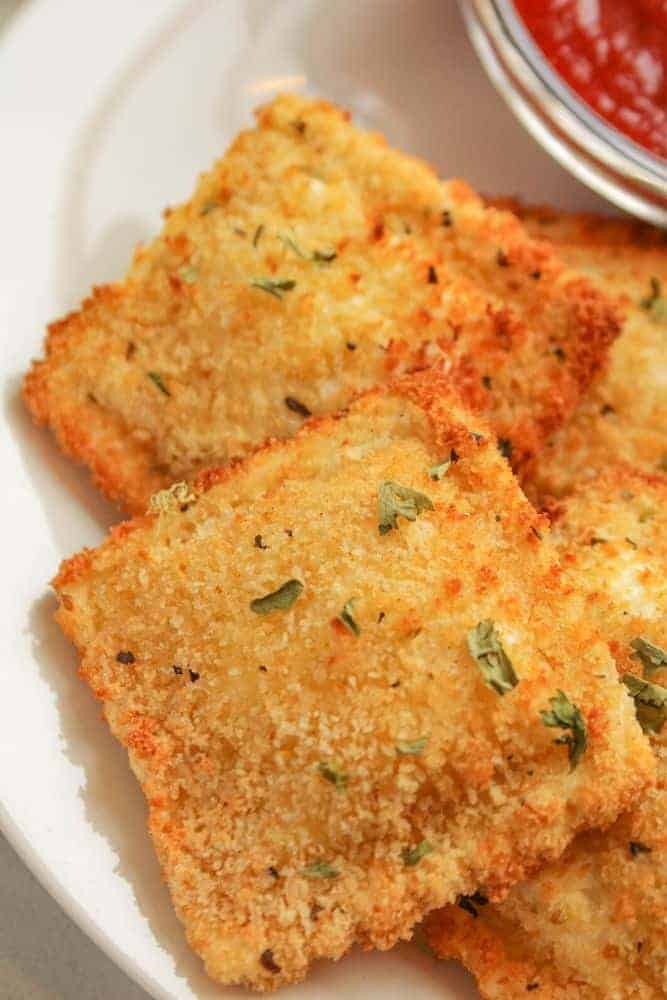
(624, 417)
(228, 747)
(591, 926)
(423, 275)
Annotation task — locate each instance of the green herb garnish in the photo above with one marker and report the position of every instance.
(318, 256)
(320, 869)
(156, 379)
(278, 600)
(411, 748)
(188, 274)
(655, 302)
(332, 773)
(493, 661)
(637, 848)
(564, 714)
(395, 500)
(275, 288)
(324, 256)
(650, 702)
(296, 406)
(348, 619)
(258, 235)
(652, 657)
(413, 855)
(208, 206)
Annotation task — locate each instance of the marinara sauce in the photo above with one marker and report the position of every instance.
(613, 53)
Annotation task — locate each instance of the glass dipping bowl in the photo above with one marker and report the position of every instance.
(589, 147)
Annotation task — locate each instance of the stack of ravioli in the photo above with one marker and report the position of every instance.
(385, 638)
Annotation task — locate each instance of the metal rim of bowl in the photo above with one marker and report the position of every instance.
(582, 142)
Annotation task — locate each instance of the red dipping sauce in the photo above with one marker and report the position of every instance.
(613, 53)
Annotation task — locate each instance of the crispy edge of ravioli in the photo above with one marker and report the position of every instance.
(593, 924)
(230, 314)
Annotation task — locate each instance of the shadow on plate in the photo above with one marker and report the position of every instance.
(56, 480)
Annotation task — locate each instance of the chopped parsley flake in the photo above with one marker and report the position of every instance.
(258, 235)
(637, 848)
(275, 288)
(564, 714)
(320, 869)
(188, 274)
(259, 543)
(317, 256)
(652, 657)
(496, 666)
(296, 407)
(278, 600)
(348, 619)
(411, 748)
(208, 206)
(125, 656)
(334, 774)
(655, 302)
(413, 855)
(324, 256)
(156, 379)
(395, 500)
(650, 702)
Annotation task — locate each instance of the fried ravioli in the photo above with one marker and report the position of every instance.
(593, 926)
(327, 662)
(312, 262)
(624, 417)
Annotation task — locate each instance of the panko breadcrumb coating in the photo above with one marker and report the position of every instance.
(593, 926)
(328, 664)
(624, 417)
(312, 262)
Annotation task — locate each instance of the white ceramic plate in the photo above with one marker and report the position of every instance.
(109, 110)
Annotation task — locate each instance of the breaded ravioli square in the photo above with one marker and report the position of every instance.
(311, 263)
(593, 925)
(328, 664)
(624, 416)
